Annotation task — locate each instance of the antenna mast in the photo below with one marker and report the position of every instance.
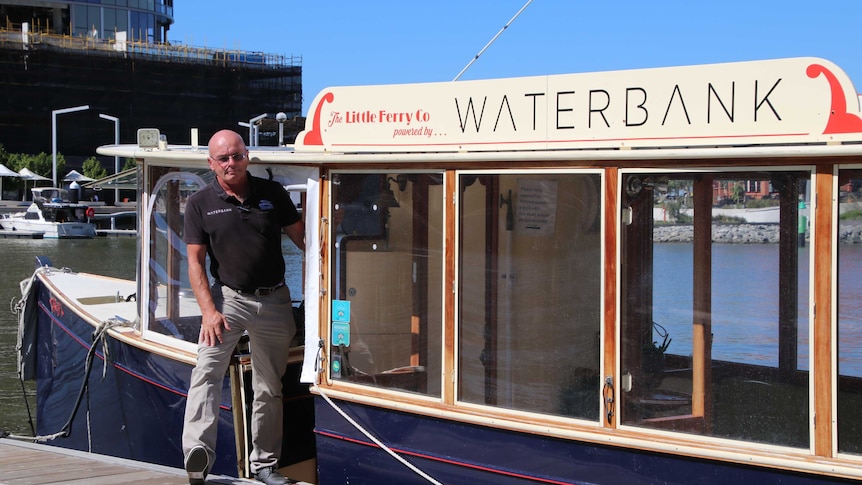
(492, 40)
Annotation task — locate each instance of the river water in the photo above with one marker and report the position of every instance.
(106, 256)
(744, 287)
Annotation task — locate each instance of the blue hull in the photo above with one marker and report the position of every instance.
(135, 411)
(456, 453)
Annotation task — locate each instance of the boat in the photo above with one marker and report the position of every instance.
(54, 214)
(483, 302)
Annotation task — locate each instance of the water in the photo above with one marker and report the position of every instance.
(745, 294)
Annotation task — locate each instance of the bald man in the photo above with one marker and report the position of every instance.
(238, 220)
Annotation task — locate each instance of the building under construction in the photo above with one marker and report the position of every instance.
(113, 56)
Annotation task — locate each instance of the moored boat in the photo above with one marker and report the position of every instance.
(483, 301)
(53, 214)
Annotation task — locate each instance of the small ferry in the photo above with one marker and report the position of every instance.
(485, 298)
(54, 214)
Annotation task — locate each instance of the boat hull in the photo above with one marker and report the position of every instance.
(135, 410)
(134, 400)
(455, 452)
(51, 230)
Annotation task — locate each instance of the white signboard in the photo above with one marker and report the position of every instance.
(799, 100)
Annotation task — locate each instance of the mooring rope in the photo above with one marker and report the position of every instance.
(402, 460)
(375, 440)
(66, 430)
(98, 335)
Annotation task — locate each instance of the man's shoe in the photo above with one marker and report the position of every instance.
(271, 476)
(196, 465)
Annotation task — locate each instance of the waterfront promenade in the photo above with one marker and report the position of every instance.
(849, 232)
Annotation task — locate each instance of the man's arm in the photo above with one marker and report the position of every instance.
(212, 321)
(296, 233)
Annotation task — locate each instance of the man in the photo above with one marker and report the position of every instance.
(237, 220)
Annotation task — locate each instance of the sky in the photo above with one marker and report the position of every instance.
(354, 42)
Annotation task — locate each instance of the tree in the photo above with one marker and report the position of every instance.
(130, 163)
(93, 169)
(738, 192)
(40, 164)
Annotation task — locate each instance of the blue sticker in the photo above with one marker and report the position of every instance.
(340, 311)
(340, 334)
(265, 205)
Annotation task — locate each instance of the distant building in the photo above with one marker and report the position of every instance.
(114, 56)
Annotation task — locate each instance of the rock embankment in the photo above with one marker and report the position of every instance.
(848, 233)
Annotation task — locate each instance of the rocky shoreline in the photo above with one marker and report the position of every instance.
(849, 233)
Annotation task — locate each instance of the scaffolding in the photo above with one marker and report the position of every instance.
(173, 87)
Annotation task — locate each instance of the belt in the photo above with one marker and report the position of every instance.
(258, 291)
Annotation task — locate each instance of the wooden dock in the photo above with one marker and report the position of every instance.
(116, 233)
(23, 463)
(4, 234)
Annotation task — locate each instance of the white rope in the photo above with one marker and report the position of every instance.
(25, 291)
(375, 440)
(40, 438)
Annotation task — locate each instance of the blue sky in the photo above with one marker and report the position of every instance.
(345, 42)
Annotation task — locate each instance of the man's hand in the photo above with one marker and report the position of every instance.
(212, 326)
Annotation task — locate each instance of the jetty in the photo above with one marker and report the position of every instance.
(39, 464)
(4, 234)
(116, 233)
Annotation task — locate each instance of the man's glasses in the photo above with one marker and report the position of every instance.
(236, 157)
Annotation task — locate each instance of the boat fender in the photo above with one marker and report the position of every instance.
(90, 212)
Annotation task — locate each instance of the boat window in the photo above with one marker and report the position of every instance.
(387, 307)
(714, 304)
(171, 308)
(529, 292)
(849, 311)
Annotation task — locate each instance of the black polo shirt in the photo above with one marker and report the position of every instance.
(243, 240)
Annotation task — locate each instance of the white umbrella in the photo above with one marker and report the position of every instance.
(75, 176)
(27, 174)
(6, 172)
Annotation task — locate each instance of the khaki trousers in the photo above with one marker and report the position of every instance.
(270, 326)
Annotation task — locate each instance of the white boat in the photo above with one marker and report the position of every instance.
(54, 214)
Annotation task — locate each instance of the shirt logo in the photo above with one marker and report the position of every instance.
(217, 211)
(265, 205)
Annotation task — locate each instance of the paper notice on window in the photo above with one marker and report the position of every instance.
(536, 207)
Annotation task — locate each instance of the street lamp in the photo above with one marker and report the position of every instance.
(281, 118)
(252, 133)
(116, 142)
(54, 114)
(250, 130)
